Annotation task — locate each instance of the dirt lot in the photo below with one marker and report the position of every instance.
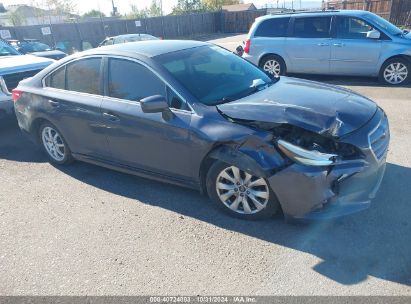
(85, 230)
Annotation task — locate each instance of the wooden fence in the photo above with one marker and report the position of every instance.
(77, 36)
(396, 11)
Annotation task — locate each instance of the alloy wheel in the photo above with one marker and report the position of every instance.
(273, 67)
(395, 73)
(242, 192)
(53, 143)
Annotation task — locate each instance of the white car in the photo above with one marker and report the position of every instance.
(13, 68)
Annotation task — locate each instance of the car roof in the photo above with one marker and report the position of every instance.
(131, 35)
(150, 48)
(315, 13)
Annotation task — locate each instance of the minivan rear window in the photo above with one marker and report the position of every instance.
(275, 27)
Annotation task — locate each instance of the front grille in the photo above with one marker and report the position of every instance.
(379, 138)
(12, 80)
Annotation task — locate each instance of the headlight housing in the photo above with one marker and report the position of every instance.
(304, 156)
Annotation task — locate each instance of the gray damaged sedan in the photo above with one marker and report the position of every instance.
(193, 114)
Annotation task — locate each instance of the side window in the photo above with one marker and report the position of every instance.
(275, 27)
(312, 27)
(109, 41)
(57, 79)
(132, 81)
(352, 28)
(84, 76)
(175, 102)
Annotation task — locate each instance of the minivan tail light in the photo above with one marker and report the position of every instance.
(247, 46)
(16, 94)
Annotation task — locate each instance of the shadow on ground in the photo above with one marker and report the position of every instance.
(376, 242)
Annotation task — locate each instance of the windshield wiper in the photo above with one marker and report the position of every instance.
(250, 90)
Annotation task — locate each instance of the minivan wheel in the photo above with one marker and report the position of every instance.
(54, 144)
(395, 71)
(273, 65)
(239, 193)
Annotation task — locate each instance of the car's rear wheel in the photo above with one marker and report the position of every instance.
(54, 144)
(239, 193)
(273, 65)
(395, 71)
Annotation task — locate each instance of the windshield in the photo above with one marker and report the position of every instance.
(383, 24)
(212, 74)
(35, 47)
(7, 50)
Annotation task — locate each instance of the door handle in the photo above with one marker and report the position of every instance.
(323, 44)
(111, 117)
(339, 44)
(53, 103)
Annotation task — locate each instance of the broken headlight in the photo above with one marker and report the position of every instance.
(304, 156)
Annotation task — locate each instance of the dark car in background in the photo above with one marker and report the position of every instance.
(194, 114)
(127, 38)
(37, 48)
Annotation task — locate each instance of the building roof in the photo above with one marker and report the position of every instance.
(239, 7)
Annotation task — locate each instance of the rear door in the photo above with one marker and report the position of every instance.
(308, 46)
(72, 100)
(352, 53)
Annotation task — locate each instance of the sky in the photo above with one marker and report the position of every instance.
(123, 6)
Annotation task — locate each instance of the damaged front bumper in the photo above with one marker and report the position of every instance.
(307, 192)
(315, 193)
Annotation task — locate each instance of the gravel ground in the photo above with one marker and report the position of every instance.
(85, 230)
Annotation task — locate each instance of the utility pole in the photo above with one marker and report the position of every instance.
(114, 12)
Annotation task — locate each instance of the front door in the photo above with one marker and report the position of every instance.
(352, 53)
(151, 142)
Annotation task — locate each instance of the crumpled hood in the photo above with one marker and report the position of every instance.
(21, 63)
(317, 107)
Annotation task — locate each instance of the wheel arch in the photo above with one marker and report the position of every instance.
(256, 164)
(402, 56)
(268, 54)
(35, 126)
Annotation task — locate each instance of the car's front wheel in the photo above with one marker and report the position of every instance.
(239, 193)
(395, 71)
(54, 144)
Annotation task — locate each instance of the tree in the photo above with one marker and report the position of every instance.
(136, 13)
(214, 5)
(188, 6)
(16, 18)
(153, 11)
(94, 13)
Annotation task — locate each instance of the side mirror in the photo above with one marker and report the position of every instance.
(374, 34)
(239, 50)
(154, 104)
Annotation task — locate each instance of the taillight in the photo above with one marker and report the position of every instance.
(16, 94)
(247, 46)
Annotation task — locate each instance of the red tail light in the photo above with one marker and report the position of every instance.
(16, 94)
(247, 46)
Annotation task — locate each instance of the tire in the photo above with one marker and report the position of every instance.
(234, 204)
(395, 72)
(51, 140)
(273, 65)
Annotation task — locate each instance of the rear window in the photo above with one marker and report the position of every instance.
(312, 27)
(84, 76)
(275, 27)
(57, 79)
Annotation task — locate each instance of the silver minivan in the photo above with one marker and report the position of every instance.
(346, 42)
